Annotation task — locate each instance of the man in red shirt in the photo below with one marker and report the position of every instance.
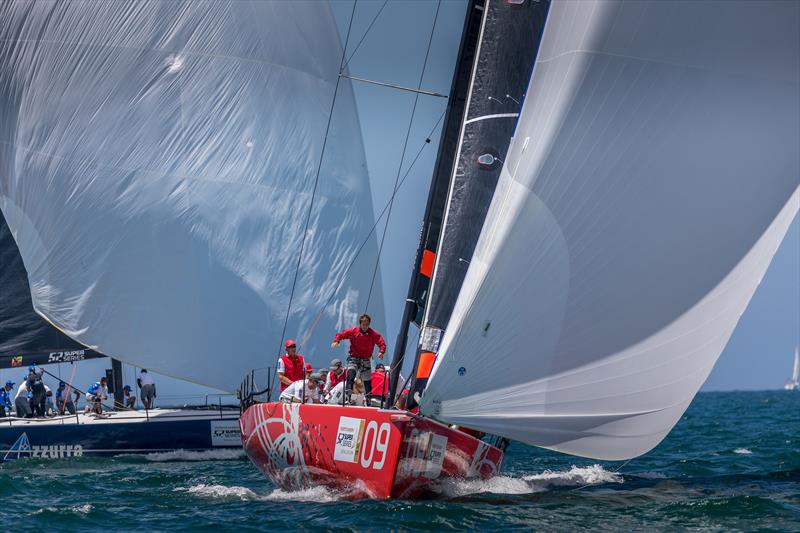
(380, 382)
(362, 343)
(291, 365)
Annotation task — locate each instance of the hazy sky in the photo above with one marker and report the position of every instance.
(759, 354)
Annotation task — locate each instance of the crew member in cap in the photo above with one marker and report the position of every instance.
(64, 403)
(5, 399)
(363, 340)
(302, 390)
(291, 365)
(129, 400)
(336, 375)
(309, 369)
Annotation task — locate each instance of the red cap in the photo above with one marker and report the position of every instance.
(289, 342)
(309, 367)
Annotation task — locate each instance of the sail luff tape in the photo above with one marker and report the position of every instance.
(428, 260)
(426, 360)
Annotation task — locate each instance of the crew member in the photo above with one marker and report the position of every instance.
(129, 399)
(22, 404)
(357, 397)
(380, 382)
(362, 343)
(148, 386)
(302, 390)
(290, 365)
(64, 402)
(49, 408)
(5, 399)
(95, 394)
(309, 369)
(38, 393)
(336, 375)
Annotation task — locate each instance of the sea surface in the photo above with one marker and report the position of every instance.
(731, 463)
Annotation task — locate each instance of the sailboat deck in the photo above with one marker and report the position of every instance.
(112, 417)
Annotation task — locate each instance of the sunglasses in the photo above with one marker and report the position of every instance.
(292, 346)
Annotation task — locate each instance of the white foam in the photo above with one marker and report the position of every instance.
(223, 492)
(575, 476)
(742, 451)
(313, 494)
(86, 508)
(226, 454)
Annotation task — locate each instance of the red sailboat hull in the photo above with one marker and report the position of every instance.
(366, 452)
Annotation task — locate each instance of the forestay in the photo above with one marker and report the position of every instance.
(156, 167)
(653, 174)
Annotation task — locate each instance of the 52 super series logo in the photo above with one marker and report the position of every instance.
(66, 357)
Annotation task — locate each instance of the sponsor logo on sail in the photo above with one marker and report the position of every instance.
(66, 357)
(16, 361)
(348, 439)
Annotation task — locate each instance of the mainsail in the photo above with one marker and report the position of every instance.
(158, 161)
(796, 367)
(652, 175)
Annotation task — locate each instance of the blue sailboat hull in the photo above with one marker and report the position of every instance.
(71, 437)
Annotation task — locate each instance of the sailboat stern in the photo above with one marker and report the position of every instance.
(362, 452)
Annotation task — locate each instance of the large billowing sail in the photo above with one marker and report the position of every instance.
(157, 163)
(653, 174)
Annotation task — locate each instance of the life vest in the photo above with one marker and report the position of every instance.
(334, 380)
(293, 369)
(380, 384)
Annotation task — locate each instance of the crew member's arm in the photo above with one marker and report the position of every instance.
(343, 335)
(282, 373)
(378, 339)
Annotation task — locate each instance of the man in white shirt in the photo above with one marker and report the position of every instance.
(358, 396)
(148, 386)
(22, 404)
(302, 391)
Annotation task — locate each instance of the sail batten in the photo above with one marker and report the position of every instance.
(637, 210)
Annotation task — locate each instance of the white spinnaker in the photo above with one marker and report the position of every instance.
(156, 167)
(653, 174)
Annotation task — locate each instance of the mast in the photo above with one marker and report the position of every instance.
(437, 195)
(500, 72)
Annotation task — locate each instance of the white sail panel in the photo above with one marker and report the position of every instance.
(653, 174)
(157, 161)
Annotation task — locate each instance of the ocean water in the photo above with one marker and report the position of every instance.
(731, 463)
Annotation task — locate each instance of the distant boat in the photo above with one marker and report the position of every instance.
(793, 383)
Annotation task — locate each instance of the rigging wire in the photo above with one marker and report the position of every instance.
(316, 178)
(372, 230)
(403, 155)
(378, 14)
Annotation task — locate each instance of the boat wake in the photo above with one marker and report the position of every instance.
(446, 489)
(205, 455)
(224, 492)
(529, 484)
